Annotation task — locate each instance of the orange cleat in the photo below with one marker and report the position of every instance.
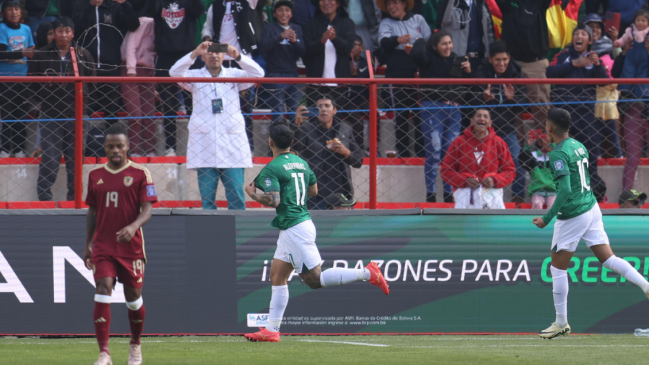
(262, 336)
(376, 278)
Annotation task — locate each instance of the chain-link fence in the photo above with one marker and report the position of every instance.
(428, 143)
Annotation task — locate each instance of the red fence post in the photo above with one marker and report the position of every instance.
(373, 131)
(78, 136)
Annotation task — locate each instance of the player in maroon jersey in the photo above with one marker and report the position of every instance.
(120, 199)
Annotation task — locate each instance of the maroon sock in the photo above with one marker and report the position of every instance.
(102, 325)
(136, 319)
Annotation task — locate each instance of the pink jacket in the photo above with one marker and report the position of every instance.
(631, 32)
(137, 48)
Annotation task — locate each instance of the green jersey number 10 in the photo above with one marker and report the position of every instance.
(300, 194)
(583, 170)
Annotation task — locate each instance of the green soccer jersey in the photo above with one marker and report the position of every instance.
(291, 176)
(570, 158)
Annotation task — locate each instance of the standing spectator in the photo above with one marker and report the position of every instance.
(174, 33)
(627, 9)
(525, 31)
(470, 25)
(636, 63)
(303, 11)
(498, 65)
(358, 96)
(592, 6)
(101, 25)
(328, 146)
(478, 166)
(39, 11)
(366, 17)
(58, 103)
(535, 158)
(44, 35)
(632, 199)
(16, 45)
(139, 99)
(282, 44)
(218, 146)
(397, 34)
(329, 37)
(441, 118)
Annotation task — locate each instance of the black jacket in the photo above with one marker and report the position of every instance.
(310, 143)
(59, 98)
(343, 43)
(503, 117)
(433, 66)
(38, 8)
(246, 23)
(525, 28)
(175, 26)
(114, 21)
(280, 54)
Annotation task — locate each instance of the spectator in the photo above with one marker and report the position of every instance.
(329, 37)
(627, 9)
(525, 31)
(578, 61)
(282, 44)
(16, 45)
(101, 25)
(478, 166)
(139, 99)
(498, 65)
(58, 103)
(593, 6)
(340, 201)
(329, 148)
(535, 158)
(366, 17)
(636, 64)
(303, 11)
(470, 26)
(397, 34)
(39, 11)
(632, 199)
(44, 35)
(174, 33)
(441, 118)
(218, 146)
(358, 96)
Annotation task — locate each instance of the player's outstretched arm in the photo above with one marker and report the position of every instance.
(91, 225)
(313, 190)
(126, 234)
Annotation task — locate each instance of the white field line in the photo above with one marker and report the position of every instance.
(548, 345)
(349, 343)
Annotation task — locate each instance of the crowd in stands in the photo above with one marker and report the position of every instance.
(429, 39)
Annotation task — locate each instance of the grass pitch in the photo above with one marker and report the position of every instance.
(591, 349)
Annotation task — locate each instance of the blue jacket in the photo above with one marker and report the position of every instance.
(626, 8)
(562, 68)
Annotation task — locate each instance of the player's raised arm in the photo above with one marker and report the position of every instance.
(91, 225)
(269, 198)
(126, 234)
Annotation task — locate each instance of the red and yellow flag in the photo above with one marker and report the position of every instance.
(562, 19)
(496, 17)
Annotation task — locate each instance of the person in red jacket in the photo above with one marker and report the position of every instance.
(478, 165)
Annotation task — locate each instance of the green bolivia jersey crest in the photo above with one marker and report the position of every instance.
(291, 176)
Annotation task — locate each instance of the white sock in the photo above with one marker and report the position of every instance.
(627, 271)
(278, 303)
(560, 293)
(340, 276)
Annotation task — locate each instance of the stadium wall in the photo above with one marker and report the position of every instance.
(208, 272)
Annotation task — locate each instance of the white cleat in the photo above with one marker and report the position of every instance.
(134, 354)
(555, 331)
(104, 359)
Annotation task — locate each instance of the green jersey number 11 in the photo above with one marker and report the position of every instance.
(300, 194)
(583, 170)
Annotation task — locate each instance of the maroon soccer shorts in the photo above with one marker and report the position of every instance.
(129, 272)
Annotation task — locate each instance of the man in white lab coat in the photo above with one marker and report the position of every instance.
(218, 146)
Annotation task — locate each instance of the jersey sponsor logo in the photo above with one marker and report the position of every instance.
(267, 182)
(101, 181)
(559, 165)
(128, 180)
(150, 190)
(173, 15)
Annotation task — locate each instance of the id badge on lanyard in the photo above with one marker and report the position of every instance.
(217, 103)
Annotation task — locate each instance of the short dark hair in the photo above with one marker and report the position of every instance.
(560, 118)
(63, 22)
(327, 97)
(282, 134)
(434, 39)
(358, 39)
(476, 110)
(116, 129)
(498, 47)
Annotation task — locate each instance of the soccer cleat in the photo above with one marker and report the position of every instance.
(555, 331)
(262, 336)
(376, 278)
(134, 354)
(104, 359)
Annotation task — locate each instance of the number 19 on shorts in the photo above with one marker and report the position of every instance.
(300, 195)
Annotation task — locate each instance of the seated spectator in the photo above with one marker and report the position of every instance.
(139, 98)
(578, 61)
(397, 35)
(340, 201)
(366, 17)
(218, 146)
(636, 64)
(632, 199)
(16, 45)
(58, 103)
(441, 118)
(282, 44)
(329, 37)
(478, 166)
(535, 158)
(327, 145)
(506, 118)
(470, 25)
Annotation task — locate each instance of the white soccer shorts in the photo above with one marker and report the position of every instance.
(296, 246)
(588, 226)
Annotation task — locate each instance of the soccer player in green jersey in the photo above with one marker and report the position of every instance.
(285, 184)
(578, 217)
